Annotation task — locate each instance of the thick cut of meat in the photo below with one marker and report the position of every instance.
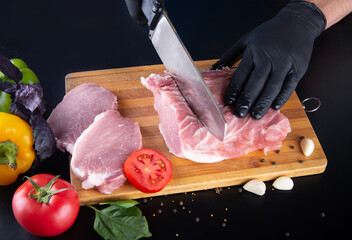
(77, 111)
(101, 150)
(186, 137)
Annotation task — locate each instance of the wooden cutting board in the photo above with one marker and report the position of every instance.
(136, 102)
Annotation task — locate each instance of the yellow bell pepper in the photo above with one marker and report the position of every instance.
(16, 147)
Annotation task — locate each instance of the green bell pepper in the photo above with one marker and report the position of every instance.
(28, 77)
(5, 102)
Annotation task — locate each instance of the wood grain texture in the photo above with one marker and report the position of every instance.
(136, 102)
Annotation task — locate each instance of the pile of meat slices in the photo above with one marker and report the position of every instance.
(87, 124)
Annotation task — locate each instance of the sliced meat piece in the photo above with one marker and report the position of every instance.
(101, 150)
(186, 137)
(77, 111)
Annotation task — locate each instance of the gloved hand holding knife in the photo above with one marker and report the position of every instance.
(179, 63)
(134, 8)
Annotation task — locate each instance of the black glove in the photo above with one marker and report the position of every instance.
(275, 57)
(134, 8)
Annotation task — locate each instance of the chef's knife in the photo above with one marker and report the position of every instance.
(180, 65)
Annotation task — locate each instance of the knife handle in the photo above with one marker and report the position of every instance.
(152, 10)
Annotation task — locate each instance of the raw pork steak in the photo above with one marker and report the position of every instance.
(77, 111)
(186, 137)
(101, 150)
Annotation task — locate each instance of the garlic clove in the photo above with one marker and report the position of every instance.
(255, 186)
(307, 146)
(283, 183)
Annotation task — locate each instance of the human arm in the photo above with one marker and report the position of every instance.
(334, 10)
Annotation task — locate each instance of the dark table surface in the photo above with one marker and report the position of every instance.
(59, 37)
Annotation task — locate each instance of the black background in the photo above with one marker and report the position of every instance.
(59, 37)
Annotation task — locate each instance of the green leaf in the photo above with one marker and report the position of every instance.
(122, 204)
(121, 220)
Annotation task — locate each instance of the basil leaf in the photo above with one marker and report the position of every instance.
(122, 204)
(121, 220)
(9, 70)
(44, 138)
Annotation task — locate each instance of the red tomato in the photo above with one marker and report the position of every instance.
(148, 170)
(46, 219)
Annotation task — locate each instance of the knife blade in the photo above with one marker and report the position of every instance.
(181, 67)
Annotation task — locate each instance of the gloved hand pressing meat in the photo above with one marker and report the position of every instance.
(275, 56)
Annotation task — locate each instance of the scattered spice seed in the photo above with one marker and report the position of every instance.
(211, 215)
(180, 203)
(161, 204)
(262, 160)
(176, 234)
(145, 200)
(301, 137)
(189, 211)
(278, 151)
(174, 210)
(223, 224)
(218, 190)
(300, 161)
(197, 219)
(159, 211)
(292, 147)
(322, 214)
(240, 190)
(183, 208)
(287, 234)
(226, 209)
(153, 214)
(273, 162)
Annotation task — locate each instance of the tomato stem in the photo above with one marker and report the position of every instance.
(8, 154)
(43, 194)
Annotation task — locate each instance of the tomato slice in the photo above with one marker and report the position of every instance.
(148, 170)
